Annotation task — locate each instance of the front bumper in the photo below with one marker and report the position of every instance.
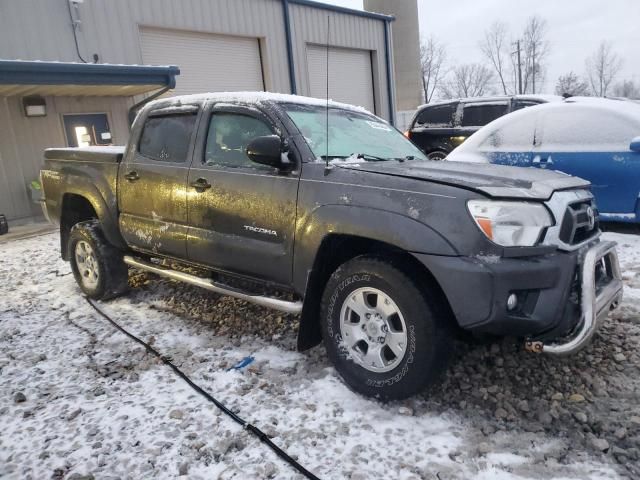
(600, 292)
(561, 295)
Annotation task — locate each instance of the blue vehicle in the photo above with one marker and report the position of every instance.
(595, 139)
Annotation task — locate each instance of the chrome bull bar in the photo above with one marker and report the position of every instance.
(596, 300)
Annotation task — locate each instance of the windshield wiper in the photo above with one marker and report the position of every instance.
(370, 158)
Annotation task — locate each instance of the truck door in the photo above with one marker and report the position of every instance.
(152, 183)
(241, 214)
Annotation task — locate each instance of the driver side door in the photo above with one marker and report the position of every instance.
(241, 214)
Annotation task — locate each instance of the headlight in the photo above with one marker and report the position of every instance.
(510, 224)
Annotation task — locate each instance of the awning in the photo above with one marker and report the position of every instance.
(18, 77)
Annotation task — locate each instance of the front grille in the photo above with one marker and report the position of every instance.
(579, 223)
(576, 219)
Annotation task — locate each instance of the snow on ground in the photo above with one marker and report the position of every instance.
(78, 398)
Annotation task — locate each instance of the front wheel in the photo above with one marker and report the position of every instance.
(386, 334)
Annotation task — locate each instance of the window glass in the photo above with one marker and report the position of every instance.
(520, 104)
(515, 135)
(438, 115)
(575, 127)
(350, 132)
(167, 138)
(480, 115)
(228, 137)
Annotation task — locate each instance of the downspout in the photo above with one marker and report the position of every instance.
(391, 94)
(287, 31)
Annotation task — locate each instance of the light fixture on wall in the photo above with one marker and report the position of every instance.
(34, 106)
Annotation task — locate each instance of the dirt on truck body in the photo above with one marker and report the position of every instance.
(383, 253)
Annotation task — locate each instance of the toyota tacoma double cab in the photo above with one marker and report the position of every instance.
(323, 210)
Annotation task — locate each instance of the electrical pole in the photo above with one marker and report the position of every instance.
(534, 66)
(519, 68)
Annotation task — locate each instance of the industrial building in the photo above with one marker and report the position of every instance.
(70, 70)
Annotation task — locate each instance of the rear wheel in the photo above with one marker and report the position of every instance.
(437, 155)
(386, 334)
(97, 266)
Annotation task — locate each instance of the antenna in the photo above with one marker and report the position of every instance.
(327, 109)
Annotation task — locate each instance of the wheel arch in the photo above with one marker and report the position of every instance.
(335, 250)
(80, 205)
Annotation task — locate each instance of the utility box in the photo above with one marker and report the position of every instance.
(4, 225)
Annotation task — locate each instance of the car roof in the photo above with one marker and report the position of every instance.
(629, 110)
(495, 98)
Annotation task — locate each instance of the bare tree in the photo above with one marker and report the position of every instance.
(495, 47)
(602, 68)
(433, 56)
(468, 80)
(627, 89)
(571, 85)
(536, 50)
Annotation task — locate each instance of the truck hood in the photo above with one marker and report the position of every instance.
(493, 180)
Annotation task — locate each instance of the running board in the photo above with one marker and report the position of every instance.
(282, 305)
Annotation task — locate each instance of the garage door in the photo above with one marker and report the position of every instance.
(208, 62)
(350, 78)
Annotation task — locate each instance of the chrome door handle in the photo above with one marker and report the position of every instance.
(132, 176)
(201, 184)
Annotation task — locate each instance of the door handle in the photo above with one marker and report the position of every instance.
(201, 184)
(132, 176)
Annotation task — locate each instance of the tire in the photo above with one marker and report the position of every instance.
(437, 155)
(97, 265)
(387, 370)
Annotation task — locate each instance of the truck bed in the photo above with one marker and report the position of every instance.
(108, 154)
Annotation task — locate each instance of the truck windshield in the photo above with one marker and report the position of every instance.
(351, 134)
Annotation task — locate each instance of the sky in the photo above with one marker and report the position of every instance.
(575, 29)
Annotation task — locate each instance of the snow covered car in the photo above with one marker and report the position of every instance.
(383, 253)
(595, 139)
(437, 128)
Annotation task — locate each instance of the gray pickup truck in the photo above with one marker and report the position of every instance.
(327, 211)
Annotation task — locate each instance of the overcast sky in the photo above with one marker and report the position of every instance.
(575, 29)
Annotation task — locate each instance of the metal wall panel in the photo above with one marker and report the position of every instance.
(310, 25)
(41, 29)
(208, 62)
(23, 140)
(350, 75)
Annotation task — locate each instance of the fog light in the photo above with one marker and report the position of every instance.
(512, 302)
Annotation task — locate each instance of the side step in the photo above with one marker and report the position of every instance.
(282, 305)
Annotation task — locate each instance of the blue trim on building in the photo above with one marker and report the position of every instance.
(349, 11)
(17, 72)
(287, 31)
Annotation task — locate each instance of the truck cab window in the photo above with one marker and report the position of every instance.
(167, 138)
(228, 137)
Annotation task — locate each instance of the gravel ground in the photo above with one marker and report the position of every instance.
(79, 400)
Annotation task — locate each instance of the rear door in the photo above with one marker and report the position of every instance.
(592, 143)
(241, 214)
(152, 183)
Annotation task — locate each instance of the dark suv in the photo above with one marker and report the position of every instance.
(438, 128)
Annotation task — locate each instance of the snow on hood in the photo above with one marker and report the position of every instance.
(493, 180)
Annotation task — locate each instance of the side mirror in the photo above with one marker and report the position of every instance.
(635, 144)
(267, 150)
